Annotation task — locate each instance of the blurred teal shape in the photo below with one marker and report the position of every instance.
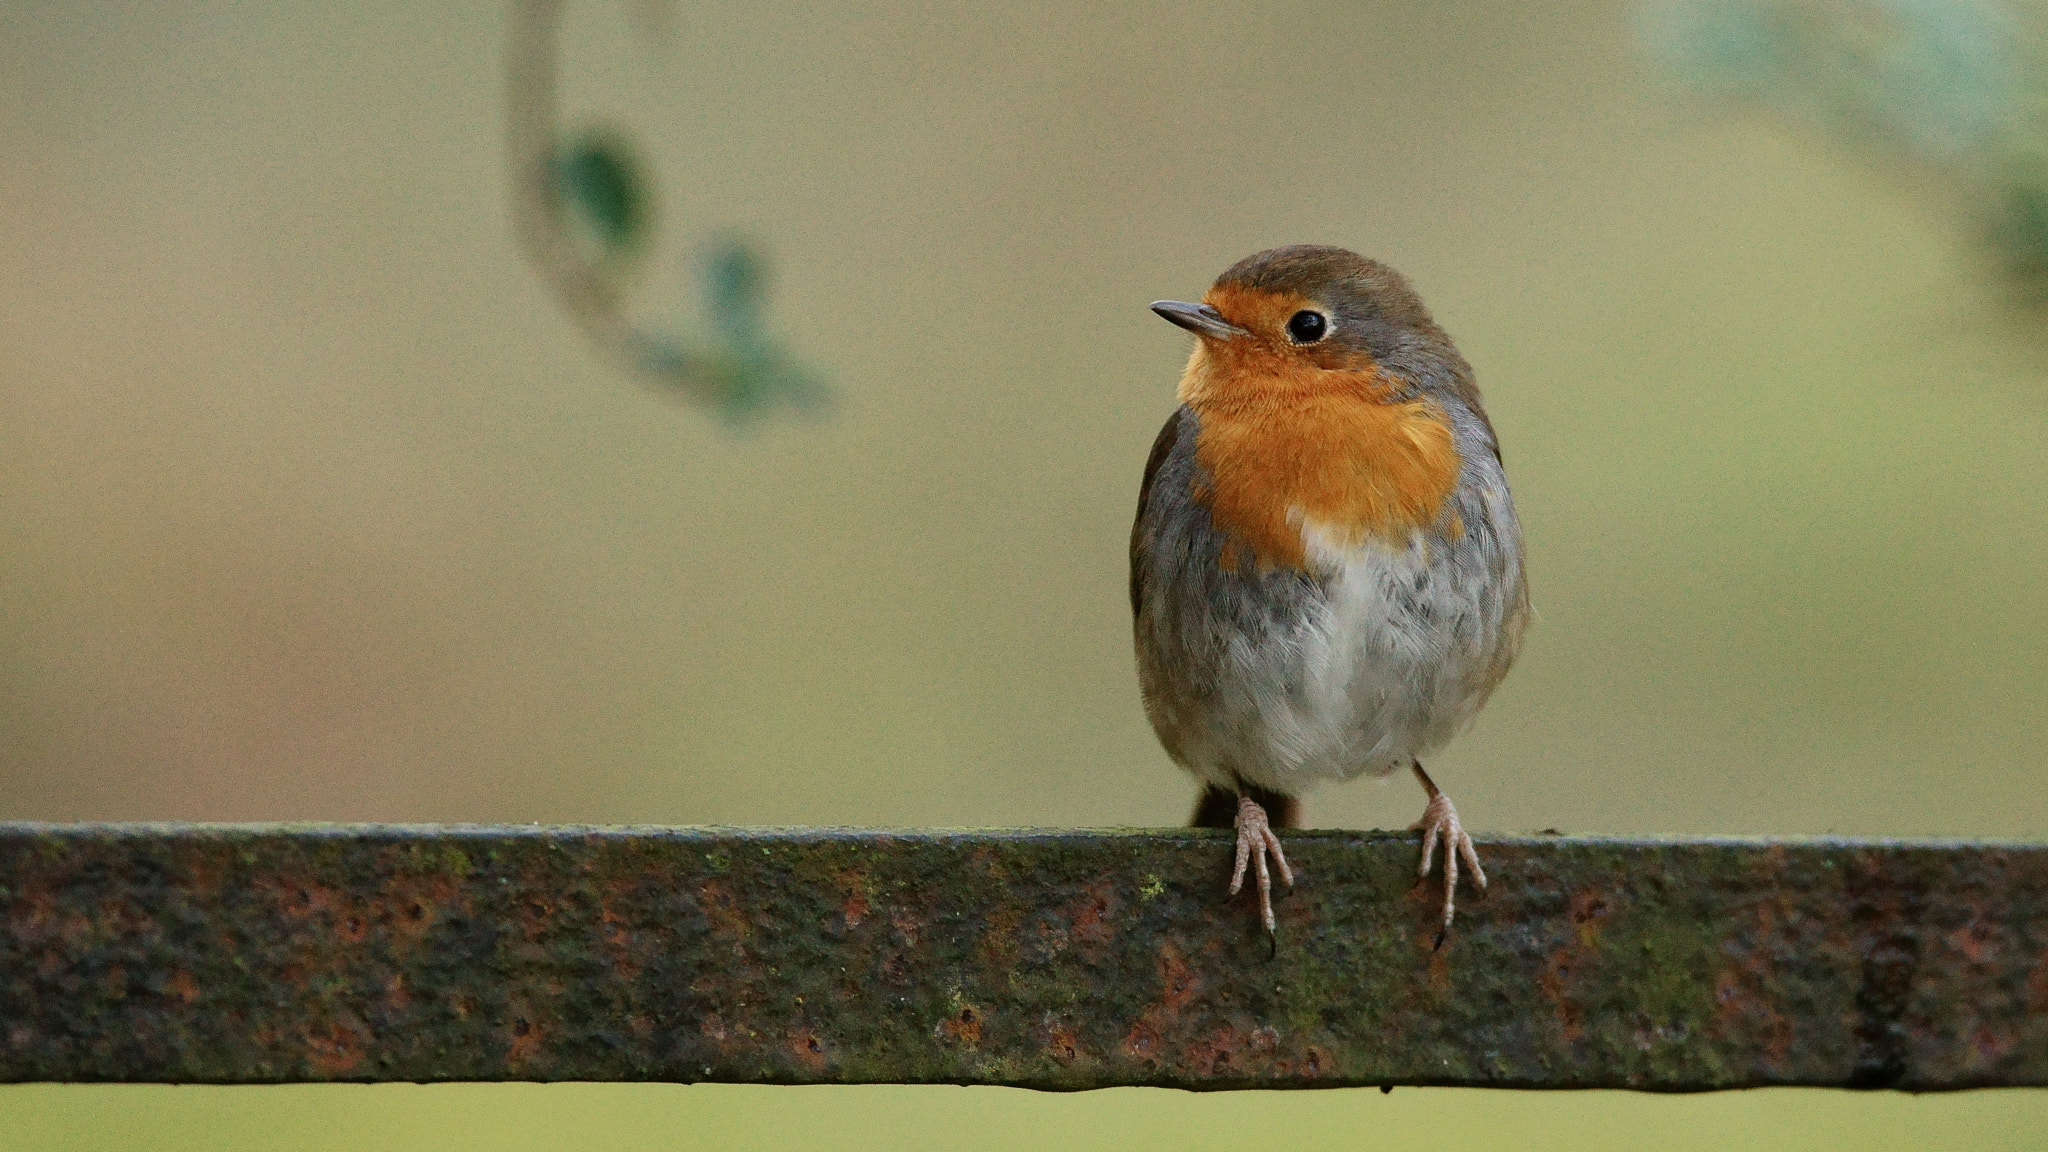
(584, 210)
(1939, 78)
(2021, 231)
(603, 204)
(735, 286)
(1958, 88)
(743, 369)
(601, 184)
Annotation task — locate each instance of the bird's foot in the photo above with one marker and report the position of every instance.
(1440, 822)
(1254, 839)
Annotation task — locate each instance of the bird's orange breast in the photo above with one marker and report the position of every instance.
(1286, 444)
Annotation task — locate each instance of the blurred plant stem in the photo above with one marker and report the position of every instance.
(583, 211)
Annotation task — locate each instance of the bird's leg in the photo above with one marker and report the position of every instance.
(1440, 820)
(1254, 839)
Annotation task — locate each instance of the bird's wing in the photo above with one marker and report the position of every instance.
(1161, 449)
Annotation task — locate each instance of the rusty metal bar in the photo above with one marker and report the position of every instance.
(1057, 960)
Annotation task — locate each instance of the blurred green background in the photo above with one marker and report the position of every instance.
(313, 505)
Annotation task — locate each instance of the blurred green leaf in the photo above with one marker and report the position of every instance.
(738, 368)
(600, 181)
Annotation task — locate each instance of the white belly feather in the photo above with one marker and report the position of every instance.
(1389, 666)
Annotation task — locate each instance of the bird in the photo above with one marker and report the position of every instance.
(1326, 572)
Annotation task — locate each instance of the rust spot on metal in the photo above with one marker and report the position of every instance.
(536, 915)
(1211, 1054)
(1556, 982)
(412, 905)
(898, 970)
(853, 904)
(1992, 1043)
(1971, 944)
(1142, 1042)
(1570, 964)
(615, 937)
(1178, 987)
(998, 947)
(907, 924)
(1742, 1010)
(1588, 915)
(2037, 986)
(1061, 1041)
(713, 1026)
(334, 1048)
(963, 1026)
(1228, 1052)
(808, 1049)
(397, 1001)
(1177, 981)
(1093, 917)
(990, 862)
(526, 1038)
(1434, 960)
(1053, 938)
(723, 911)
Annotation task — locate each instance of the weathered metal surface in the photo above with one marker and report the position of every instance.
(1061, 960)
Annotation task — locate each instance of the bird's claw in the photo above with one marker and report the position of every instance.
(1255, 838)
(1440, 822)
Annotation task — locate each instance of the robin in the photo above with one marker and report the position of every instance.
(1326, 569)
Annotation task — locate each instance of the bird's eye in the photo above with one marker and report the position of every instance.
(1307, 327)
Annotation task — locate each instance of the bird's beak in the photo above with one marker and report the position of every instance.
(1200, 319)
